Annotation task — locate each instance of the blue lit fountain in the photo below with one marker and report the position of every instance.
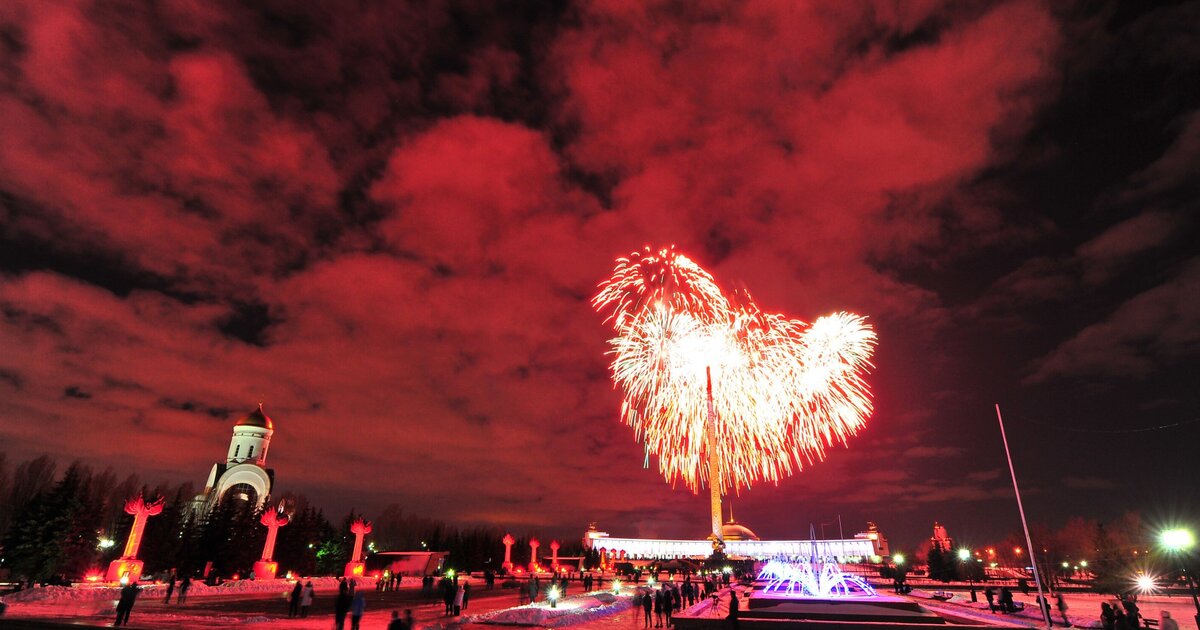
(823, 580)
(815, 594)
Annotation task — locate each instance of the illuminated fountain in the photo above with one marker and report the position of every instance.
(807, 579)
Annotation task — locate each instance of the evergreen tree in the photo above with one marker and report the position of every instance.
(333, 549)
(55, 531)
(940, 567)
(163, 541)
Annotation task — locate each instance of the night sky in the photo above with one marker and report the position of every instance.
(385, 222)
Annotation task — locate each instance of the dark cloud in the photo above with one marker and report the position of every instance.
(385, 222)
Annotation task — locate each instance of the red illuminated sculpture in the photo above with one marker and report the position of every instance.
(533, 547)
(355, 567)
(265, 568)
(554, 547)
(509, 541)
(128, 566)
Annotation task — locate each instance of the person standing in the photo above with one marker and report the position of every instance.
(341, 606)
(668, 604)
(396, 623)
(466, 589)
(990, 594)
(1133, 614)
(447, 588)
(658, 608)
(1165, 622)
(294, 600)
(459, 594)
(357, 608)
(1061, 604)
(306, 599)
(129, 594)
(647, 604)
(1119, 616)
(733, 610)
(1108, 620)
(184, 587)
(170, 589)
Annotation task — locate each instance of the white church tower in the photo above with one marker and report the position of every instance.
(244, 475)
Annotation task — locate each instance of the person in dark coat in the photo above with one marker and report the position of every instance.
(658, 608)
(341, 606)
(129, 594)
(1062, 608)
(357, 608)
(990, 595)
(1132, 613)
(184, 587)
(647, 605)
(668, 604)
(447, 595)
(1006, 600)
(733, 610)
(294, 600)
(1108, 619)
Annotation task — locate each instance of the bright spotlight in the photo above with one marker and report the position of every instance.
(1177, 539)
(1145, 583)
(964, 554)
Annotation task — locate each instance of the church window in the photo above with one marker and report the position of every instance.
(251, 453)
(236, 450)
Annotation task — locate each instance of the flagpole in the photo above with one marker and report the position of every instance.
(1025, 524)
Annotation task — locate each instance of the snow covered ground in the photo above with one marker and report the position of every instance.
(51, 594)
(1083, 609)
(569, 611)
(264, 607)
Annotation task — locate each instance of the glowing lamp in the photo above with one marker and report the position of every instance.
(124, 580)
(1083, 563)
(1177, 539)
(1145, 583)
(1017, 550)
(898, 558)
(964, 554)
(616, 587)
(106, 543)
(1066, 565)
(553, 595)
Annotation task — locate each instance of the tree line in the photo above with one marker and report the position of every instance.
(1107, 556)
(65, 526)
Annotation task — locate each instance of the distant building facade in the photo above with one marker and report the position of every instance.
(740, 542)
(940, 538)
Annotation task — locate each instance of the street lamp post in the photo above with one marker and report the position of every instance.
(964, 556)
(1178, 542)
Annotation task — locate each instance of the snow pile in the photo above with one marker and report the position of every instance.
(571, 610)
(199, 589)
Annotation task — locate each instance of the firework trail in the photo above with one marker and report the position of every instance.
(783, 391)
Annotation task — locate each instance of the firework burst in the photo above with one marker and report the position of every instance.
(782, 391)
